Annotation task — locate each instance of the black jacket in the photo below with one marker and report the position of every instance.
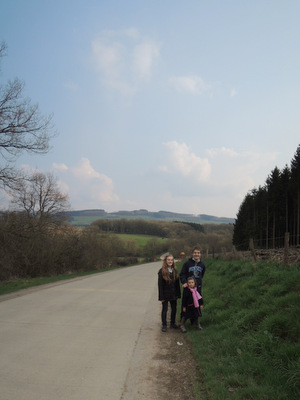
(191, 312)
(168, 291)
(195, 269)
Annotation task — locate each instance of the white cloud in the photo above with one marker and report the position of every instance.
(195, 183)
(60, 167)
(84, 171)
(183, 161)
(193, 84)
(144, 56)
(222, 150)
(124, 59)
(238, 170)
(63, 187)
(108, 57)
(86, 187)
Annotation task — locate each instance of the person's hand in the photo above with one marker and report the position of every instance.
(183, 309)
(184, 285)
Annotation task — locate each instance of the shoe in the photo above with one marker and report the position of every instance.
(174, 326)
(199, 327)
(164, 328)
(182, 328)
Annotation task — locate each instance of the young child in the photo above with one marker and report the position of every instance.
(168, 290)
(192, 304)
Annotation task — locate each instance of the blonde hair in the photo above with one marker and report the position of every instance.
(165, 270)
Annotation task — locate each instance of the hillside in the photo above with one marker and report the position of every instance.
(249, 347)
(86, 217)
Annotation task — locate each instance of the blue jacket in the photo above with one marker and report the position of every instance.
(194, 269)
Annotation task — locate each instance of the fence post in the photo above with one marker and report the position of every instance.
(286, 247)
(251, 246)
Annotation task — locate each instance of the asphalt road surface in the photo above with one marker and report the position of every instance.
(80, 339)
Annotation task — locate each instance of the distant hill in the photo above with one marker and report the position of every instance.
(86, 217)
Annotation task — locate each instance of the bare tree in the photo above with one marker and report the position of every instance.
(22, 128)
(40, 198)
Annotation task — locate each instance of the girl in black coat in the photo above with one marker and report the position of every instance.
(168, 290)
(192, 304)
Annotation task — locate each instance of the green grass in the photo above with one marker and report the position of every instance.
(83, 220)
(249, 348)
(19, 284)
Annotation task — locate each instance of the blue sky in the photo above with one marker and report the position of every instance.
(162, 105)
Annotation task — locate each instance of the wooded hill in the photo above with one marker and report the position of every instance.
(86, 217)
(270, 211)
(163, 229)
(181, 236)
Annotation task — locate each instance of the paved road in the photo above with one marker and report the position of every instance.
(76, 340)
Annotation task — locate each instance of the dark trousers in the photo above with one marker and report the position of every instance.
(165, 310)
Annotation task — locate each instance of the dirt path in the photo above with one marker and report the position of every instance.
(162, 366)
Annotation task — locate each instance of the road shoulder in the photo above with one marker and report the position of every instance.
(162, 365)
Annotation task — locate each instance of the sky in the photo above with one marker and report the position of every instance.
(159, 105)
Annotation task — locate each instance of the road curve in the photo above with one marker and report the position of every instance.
(77, 340)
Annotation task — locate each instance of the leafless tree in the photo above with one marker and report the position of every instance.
(40, 199)
(22, 128)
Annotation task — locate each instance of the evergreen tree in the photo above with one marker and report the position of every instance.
(243, 226)
(295, 193)
(273, 189)
(285, 197)
(270, 211)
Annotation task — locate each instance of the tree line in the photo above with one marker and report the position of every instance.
(180, 236)
(272, 210)
(144, 227)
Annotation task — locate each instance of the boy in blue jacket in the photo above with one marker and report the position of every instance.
(194, 267)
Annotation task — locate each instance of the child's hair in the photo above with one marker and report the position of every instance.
(192, 278)
(196, 248)
(165, 270)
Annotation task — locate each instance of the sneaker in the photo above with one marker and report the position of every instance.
(182, 328)
(174, 326)
(164, 328)
(199, 327)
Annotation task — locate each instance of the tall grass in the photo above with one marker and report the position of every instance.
(249, 348)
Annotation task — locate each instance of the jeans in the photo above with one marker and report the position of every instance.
(165, 310)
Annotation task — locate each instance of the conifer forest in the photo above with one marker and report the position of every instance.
(269, 212)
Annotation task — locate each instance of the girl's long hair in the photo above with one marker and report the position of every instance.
(165, 271)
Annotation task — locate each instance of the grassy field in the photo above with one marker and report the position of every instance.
(249, 348)
(83, 221)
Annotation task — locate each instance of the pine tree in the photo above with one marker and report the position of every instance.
(295, 192)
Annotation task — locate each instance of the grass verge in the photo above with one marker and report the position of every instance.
(249, 348)
(19, 284)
